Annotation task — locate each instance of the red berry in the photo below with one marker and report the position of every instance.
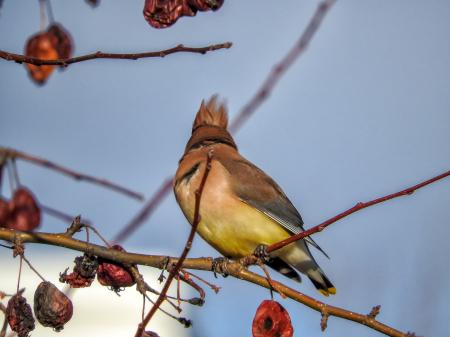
(164, 13)
(41, 46)
(113, 274)
(25, 214)
(272, 320)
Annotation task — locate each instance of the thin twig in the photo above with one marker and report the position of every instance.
(187, 323)
(359, 206)
(215, 288)
(143, 286)
(148, 209)
(106, 242)
(11, 153)
(280, 68)
(15, 172)
(187, 248)
(12, 184)
(101, 55)
(261, 95)
(51, 18)
(43, 15)
(273, 285)
(58, 214)
(32, 268)
(20, 273)
(184, 276)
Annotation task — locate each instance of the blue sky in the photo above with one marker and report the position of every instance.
(364, 113)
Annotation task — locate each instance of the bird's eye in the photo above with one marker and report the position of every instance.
(188, 175)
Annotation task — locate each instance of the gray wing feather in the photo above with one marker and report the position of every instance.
(262, 192)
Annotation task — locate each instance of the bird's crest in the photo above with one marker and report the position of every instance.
(211, 113)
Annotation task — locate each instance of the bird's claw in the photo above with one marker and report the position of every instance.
(261, 253)
(219, 266)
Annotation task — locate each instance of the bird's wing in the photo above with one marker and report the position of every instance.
(257, 189)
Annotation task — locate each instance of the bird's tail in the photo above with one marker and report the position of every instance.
(321, 282)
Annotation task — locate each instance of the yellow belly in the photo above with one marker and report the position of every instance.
(237, 229)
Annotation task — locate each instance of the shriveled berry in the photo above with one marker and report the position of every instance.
(83, 272)
(40, 46)
(51, 307)
(113, 274)
(75, 280)
(25, 214)
(164, 13)
(86, 265)
(19, 315)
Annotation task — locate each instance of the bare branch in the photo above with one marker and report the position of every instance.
(145, 212)
(101, 55)
(11, 153)
(280, 68)
(359, 206)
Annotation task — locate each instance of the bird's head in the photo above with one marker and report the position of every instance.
(210, 126)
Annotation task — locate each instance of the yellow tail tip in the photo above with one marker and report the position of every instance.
(328, 292)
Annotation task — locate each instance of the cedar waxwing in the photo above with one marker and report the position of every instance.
(241, 207)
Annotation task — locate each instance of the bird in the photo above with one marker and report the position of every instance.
(241, 208)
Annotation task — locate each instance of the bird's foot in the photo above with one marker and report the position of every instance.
(219, 266)
(261, 253)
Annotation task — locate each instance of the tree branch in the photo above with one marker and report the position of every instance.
(101, 55)
(359, 206)
(6, 153)
(145, 212)
(187, 248)
(234, 269)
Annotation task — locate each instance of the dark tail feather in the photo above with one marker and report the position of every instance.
(282, 267)
(324, 286)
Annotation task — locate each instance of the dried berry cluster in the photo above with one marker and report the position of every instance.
(164, 13)
(54, 309)
(21, 212)
(51, 307)
(109, 273)
(54, 43)
(83, 272)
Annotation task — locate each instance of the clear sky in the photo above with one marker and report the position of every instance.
(365, 112)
